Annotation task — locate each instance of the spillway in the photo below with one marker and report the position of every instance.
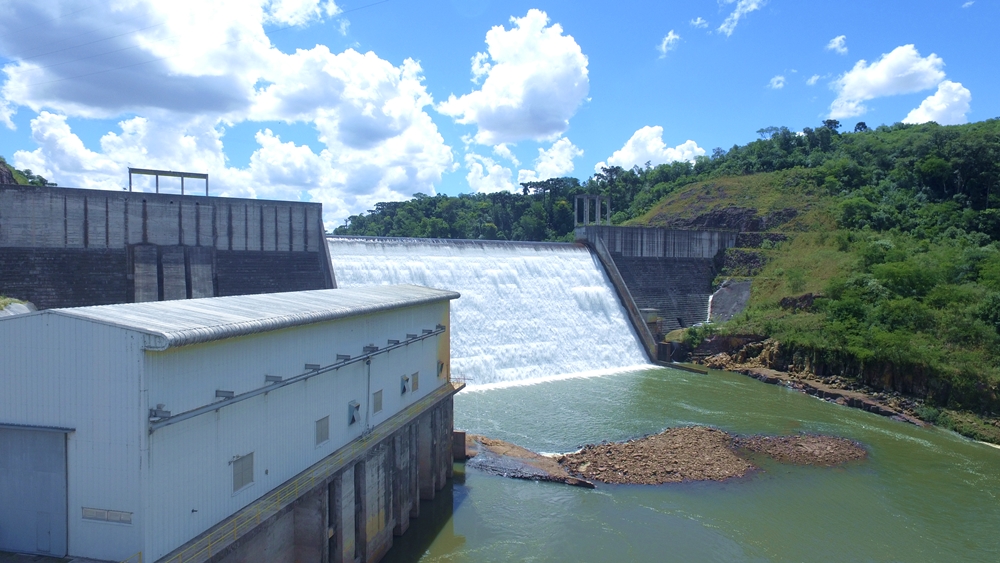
(529, 311)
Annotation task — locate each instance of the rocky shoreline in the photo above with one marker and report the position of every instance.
(676, 455)
(832, 389)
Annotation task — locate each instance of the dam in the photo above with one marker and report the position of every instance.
(528, 311)
(924, 495)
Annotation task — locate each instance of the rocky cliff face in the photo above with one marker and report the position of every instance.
(6, 176)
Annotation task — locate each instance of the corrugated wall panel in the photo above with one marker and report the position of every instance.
(190, 462)
(90, 384)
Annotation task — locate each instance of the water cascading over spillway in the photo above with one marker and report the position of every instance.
(528, 310)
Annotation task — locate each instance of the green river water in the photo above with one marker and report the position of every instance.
(922, 495)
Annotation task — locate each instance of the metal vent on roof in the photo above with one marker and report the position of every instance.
(343, 357)
(370, 348)
(393, 342)
(410, 336)
(272, 379)
(220, 394)
(313, 367)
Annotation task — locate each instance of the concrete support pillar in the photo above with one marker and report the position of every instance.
(343, 528)
(310, 526)
(425, 456)
(360, 512)
(402, 487)
(586, 210)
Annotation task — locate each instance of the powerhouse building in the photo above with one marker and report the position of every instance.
(274, 427)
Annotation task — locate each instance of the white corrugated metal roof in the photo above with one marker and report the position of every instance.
(192, 321)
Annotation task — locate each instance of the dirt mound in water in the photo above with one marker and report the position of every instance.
(674, 455)
(804, 449)
(701, 454)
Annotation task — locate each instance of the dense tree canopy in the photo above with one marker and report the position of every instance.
(891, 177)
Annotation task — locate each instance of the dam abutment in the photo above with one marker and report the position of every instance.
(669, 271)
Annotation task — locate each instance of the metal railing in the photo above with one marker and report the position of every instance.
(268, 505)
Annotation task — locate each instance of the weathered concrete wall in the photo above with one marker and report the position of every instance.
(651, 242)
(64, 247)
(353, 515)
(667, 270)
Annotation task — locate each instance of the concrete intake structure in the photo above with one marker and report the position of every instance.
(64, 247)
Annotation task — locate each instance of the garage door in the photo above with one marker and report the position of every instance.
(33, 489)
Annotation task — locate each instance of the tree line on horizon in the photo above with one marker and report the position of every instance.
(883, 177)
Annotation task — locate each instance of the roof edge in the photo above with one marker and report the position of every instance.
(164, 341)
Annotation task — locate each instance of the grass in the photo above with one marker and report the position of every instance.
(766, 193)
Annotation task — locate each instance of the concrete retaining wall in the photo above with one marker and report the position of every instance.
(666, 270)
(64, 247)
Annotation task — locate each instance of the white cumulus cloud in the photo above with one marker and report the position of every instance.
(503, 151)
(902, 71)
(668, 44)
(554, 162)
(487, 176)
(838, 45)
(646, 145)
(699, 22)
(947, 106)
(813, 80)
(743, 7)
(777, 83)
(536, 81)
(300, 12)
(179, 74)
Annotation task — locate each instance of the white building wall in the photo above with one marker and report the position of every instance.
(76, 374)
(190, 485)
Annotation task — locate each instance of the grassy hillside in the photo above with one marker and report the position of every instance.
(914, 309)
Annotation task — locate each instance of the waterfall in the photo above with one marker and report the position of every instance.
(528, 310)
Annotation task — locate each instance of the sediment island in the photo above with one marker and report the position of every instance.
(675, 455)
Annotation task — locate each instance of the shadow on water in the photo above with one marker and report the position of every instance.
(434, 524)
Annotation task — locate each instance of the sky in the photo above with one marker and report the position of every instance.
(351, 102)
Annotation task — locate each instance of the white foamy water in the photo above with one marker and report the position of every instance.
(528, 311)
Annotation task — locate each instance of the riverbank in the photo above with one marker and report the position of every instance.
(754, 360)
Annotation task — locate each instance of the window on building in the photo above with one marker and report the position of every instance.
(377, 401)
(322, 430)
(415, 381)
(242, 472)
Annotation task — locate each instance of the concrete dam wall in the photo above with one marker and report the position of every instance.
(64, 247)
(668, 271)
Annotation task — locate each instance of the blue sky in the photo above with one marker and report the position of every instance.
(349, 103)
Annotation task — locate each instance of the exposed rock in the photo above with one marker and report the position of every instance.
(694, 453)
(6, 176)
(509, 460)
(743, 262)
(729, 300)
(802, 302)
(804, 449)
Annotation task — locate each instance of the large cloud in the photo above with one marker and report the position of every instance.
(646, 145)
(902, 71)
(486, 175)
(947, 106)
(536, 81)
(554, 162)
(180, 73)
